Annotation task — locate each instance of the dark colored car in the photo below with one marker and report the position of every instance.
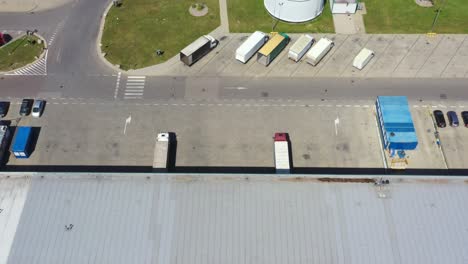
(452, 118)
(464, 116)
(26, 106)
(4, 106)
(439, 118)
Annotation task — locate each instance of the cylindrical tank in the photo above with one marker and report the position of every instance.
(294, 10)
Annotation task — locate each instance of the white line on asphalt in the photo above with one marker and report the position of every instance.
(133, 93)
(382, 153)
(136, 77)
(415, 106)
(117, 85)
(134, 89)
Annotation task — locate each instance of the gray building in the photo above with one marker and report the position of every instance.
(109, 218)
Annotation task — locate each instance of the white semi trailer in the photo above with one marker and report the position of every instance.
(161, 152)
(300, 47)
(282, 160)
(250, 46)
(319, 50)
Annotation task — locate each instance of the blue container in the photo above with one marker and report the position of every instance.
(396, 123)
(23, 143)
(401, 140)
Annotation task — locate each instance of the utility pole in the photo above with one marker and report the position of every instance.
(437, 15)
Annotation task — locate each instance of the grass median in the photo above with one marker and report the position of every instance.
(251, 15)
(405, 16)
(134, 31)
(20, 52)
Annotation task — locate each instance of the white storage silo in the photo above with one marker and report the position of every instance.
(294, 10)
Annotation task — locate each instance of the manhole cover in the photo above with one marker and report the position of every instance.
(443, 96)
(223, 38)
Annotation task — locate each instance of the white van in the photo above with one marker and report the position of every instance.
(319, 50)
(363, 57)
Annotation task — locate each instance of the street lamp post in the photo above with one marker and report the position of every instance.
(437, 15)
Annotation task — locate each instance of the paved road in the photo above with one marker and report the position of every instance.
(75, 71)
(73, 67)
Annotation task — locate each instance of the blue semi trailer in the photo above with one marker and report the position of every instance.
(22, 145)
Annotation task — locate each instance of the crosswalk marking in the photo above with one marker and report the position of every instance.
(37, 68)
(134, 88)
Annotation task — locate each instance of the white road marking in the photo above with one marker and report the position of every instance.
(382, 153)
(134, 88)
(117, 85)
(337, 122)
(127, 121)
(38, 68)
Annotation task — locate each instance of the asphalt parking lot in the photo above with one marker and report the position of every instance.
(235, 133)
(231, 134)
(454, 142)
(398, 56)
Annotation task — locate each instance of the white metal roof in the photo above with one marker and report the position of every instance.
(195, 45)
(235, 219)
(301, 43)
(251, 42)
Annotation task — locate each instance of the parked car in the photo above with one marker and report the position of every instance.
(4, 106)
(439, 118)
(464, 116)
(38, 108)
(452, 118)
(25, 108)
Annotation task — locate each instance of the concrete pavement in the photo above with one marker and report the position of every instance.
(324, 134)
(397, 56)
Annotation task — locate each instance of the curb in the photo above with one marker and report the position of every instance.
(44, 51)
(99, 38)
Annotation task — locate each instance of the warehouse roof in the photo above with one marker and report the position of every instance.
(232, 219)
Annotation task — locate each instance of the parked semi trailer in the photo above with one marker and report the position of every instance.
(161, 152)
(250, 46)
(272, 48)
(4, 141)
(22, 144)
(300, 47)
(282, 160)
(199, 48)
(363, 57)
(319, 50)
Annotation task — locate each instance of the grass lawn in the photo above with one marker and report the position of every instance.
(135, 30)
(19, 53)
(405, 16)
(251, 15)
